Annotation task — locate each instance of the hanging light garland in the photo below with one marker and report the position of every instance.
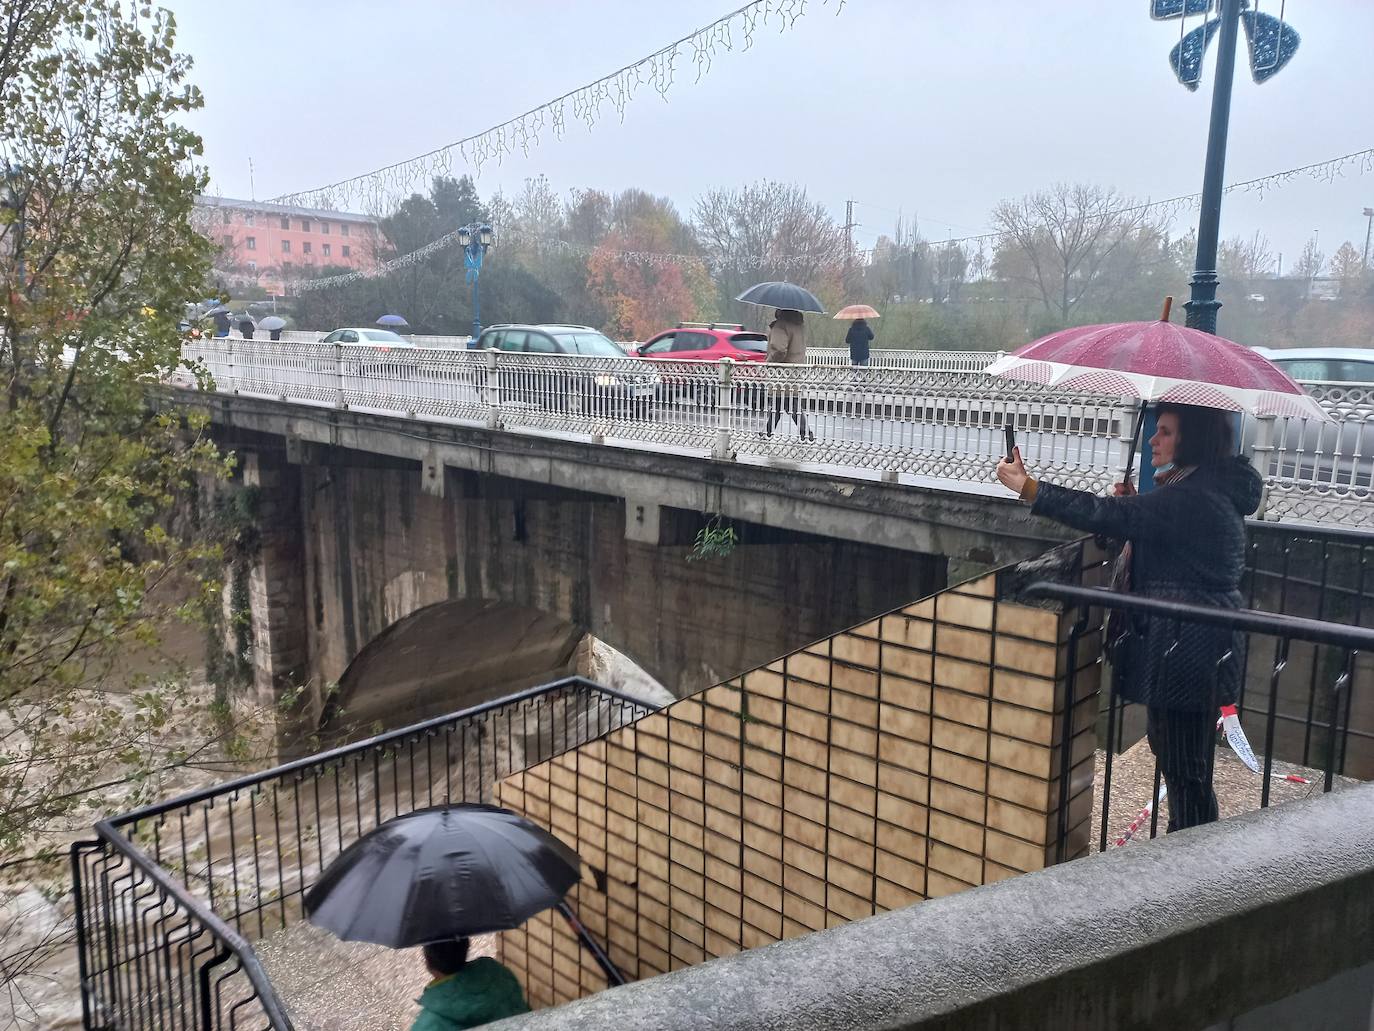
(1360, 162)
(658, 72)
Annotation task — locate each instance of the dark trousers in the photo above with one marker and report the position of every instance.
(1184, 744)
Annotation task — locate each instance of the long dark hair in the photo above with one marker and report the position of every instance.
(1204, 434)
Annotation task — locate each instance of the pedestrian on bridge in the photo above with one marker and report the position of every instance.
(858, 338)
(787, 344)
(1185, 542)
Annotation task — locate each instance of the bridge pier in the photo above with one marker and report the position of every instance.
(276, 595)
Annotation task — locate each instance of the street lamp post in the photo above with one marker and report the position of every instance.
(475, 239)
(1271, 44)
(1202, 301)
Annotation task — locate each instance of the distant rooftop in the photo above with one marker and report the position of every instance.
(281, 209)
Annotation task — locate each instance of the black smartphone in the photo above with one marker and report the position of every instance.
(1011, 441)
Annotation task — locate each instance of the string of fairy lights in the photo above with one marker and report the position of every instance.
(657, 72)
(1359, 162)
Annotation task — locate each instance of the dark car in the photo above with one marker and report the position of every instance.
(599, 386)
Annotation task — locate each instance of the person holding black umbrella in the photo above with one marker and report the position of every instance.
(465, 993)
(1185, 542)
(787, 343)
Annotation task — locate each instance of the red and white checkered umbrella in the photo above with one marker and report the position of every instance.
(1160, 362)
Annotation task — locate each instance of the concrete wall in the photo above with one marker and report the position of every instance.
(1264, 920)
(357, 546)
(912, 757)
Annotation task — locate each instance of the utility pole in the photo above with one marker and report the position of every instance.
(849, 226)
(1369, 227)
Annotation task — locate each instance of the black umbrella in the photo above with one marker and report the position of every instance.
(441, 873)
(782, 295)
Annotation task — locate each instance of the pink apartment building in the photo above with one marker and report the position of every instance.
(275, 245)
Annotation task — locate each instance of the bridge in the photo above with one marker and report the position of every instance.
(926, 419)
(423, 510)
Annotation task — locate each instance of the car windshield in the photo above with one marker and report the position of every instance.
(1329, 370)
(381, 336)
(750, 342)
(590, 343)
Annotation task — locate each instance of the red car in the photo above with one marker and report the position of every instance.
(706, 341)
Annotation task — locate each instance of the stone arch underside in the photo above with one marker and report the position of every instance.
(450, 656)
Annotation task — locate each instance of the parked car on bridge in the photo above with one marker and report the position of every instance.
(706, 342)
(579, 387)
(384, 341)
(1324, 364)
(1334, 453)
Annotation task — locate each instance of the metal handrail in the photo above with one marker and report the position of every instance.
(322, 758)
(138, 859)
(144, 868)
(1248, 620)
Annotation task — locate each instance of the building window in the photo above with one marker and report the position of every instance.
(286, 223)
(325, 248)
(286, 246)
(305, 247)
(228, 242)
(343, 229)
(252, 243)
(228, 218)
(324, 228)
(252, 266)
(305, 225)
(345, 250)
(248, 219)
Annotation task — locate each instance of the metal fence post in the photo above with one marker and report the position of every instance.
(339, 401)
(1126, 415)
(233, 377)
(493, 389)
(725, 406)
(1261, 452)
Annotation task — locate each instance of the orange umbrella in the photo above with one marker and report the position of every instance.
(857, 311)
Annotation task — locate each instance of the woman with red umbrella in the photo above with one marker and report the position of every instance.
(1185, 541)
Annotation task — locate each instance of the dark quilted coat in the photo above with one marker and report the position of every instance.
(1188, 544)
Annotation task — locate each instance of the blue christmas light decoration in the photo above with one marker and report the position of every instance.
(1270, 41)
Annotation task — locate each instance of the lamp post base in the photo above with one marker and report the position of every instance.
(1202, 303)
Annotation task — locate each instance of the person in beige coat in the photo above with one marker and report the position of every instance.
(787, 343)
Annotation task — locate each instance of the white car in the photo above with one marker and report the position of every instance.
(384, 339)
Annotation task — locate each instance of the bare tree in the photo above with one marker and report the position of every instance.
(766, 230)
(1058, 242)
(1243, 261)
(1347, 265)
(1310, 262)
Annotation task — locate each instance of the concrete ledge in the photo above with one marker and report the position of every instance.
(1178, 933)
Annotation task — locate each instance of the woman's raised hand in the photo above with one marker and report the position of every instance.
(1012, 474)
(1124, 489)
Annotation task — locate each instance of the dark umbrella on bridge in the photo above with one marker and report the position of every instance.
(392, 320)
(782, 295)
(447, 872)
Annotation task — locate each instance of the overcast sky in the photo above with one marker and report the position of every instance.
(927, 106)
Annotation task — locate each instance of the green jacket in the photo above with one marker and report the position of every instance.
(481, 992)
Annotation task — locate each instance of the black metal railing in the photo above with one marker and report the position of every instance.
(168, 896)
(1270, 639)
